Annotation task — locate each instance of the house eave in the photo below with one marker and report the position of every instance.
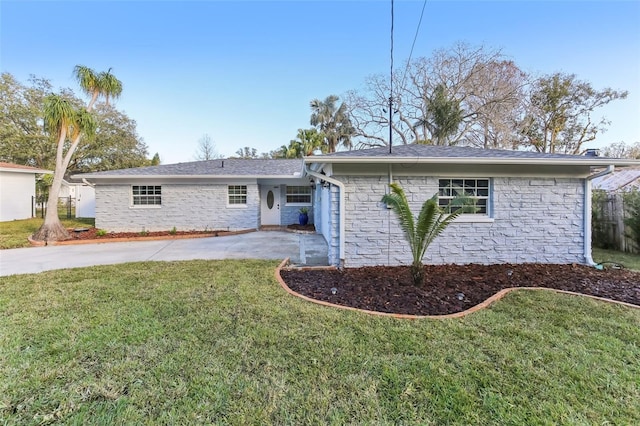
(180, 177)
(28, 171)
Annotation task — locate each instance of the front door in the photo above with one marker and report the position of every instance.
(270, 205)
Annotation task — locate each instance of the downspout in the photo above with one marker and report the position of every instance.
(86, 182)
(587, 213)
(341, 225)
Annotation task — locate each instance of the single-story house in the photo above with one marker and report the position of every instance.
(229, 194)
(532, 207)
(17, 191)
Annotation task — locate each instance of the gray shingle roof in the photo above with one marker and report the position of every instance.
(430, 154)
(226, 167)
(417, 150)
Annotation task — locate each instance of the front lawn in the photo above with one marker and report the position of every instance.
(14, 234)
(628, 260)
(204, 342)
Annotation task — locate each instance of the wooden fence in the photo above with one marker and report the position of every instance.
(608, 228)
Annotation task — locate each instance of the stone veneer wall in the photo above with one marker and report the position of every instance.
(535, 220)
(186, 207)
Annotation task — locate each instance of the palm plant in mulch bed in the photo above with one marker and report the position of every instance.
(421, 231)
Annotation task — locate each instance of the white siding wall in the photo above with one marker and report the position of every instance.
(186, 207)
(16, 192)
(535, 220)
(85, 201)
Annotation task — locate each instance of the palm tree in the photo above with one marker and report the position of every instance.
(97, 84)
(443, 117)
(421, 231)
(333, 121)
(306, 143)
(69, 124)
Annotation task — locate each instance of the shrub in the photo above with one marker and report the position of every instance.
(598, 226)
(101, 233)
(632, 222)
(422, 230)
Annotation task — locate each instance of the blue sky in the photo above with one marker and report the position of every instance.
(244, 72)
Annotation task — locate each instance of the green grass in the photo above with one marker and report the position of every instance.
(204, 342)
(628, 260)
(14, 234)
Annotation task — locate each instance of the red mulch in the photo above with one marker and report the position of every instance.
(92, 233)
(454, 288)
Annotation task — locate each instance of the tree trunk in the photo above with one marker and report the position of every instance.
(417, 274)
(52, 229)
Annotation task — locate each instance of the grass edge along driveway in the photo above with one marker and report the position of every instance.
(202, 342)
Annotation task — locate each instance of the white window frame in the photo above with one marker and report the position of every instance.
(237, 192)
(155, 195)
(470, 187)
(298, 194)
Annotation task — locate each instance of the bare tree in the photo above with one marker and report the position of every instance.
(486, 86)
(622, 150)
(497, 94)
(206, 149)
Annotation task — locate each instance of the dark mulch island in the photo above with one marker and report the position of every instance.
(454, 288)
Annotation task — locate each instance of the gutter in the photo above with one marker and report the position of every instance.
(341, 225)
(587, 213)
(156, 177)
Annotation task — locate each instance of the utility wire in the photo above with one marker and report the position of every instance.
(391, 86)
(415, 37)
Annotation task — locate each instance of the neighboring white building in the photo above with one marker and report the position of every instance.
(17, 191)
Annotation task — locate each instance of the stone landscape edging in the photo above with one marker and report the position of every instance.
(499, 295)
(129, 239)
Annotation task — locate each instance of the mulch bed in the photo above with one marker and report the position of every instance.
(454, 288)
(92, 234)
(306, 228)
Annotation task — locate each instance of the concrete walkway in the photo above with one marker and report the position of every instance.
(303, 249)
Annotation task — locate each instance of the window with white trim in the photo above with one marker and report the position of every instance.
(146, 195)
(453, 194)
(298, 195)
(237, 194)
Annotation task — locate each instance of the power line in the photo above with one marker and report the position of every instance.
(415, 37)
(391, 86)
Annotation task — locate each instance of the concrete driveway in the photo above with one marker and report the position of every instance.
(303, 249)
